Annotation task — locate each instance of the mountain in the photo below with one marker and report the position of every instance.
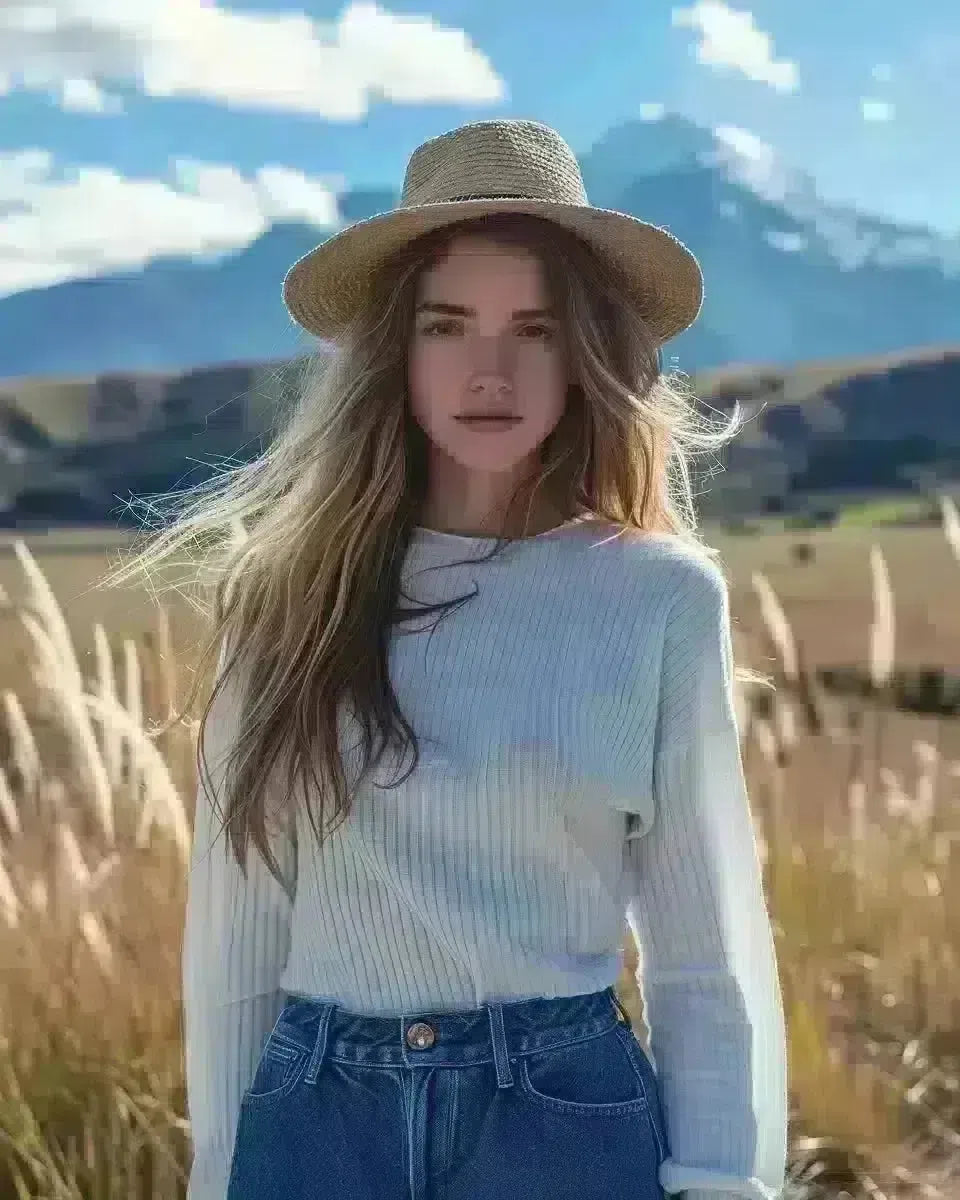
(789, 277)
(174, 313)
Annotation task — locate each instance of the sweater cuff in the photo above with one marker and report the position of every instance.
(210, 1174)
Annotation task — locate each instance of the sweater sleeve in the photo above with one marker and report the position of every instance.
(235, 945)
(707, 962)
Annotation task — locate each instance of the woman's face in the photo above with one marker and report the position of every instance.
(483, 342)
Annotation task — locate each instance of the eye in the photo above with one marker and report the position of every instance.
(438, 326)
(451, 325)
(545, 330)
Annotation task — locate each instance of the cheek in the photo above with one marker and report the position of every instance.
(433, 382)
(545, 385)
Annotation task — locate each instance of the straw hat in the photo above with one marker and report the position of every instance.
(488, 167)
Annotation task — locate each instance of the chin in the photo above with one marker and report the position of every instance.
(493, 457)
(491, 451)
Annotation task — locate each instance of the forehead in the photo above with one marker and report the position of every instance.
(477, 262)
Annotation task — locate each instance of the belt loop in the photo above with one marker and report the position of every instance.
(623, 1012)
(498, 1036)
(320, 1045)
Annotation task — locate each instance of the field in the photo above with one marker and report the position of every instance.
(857, 809)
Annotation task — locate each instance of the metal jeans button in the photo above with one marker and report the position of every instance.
(420, 1036)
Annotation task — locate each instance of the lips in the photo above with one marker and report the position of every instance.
(490, 416)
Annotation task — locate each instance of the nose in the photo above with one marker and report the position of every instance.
(491, 368)
(490, 382)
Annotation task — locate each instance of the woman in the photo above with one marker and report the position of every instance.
(417, 999)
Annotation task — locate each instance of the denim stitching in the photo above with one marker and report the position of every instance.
(293, 1077)
(616, 1108)
(661, 1153)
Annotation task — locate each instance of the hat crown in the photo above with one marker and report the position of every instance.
(499, 158)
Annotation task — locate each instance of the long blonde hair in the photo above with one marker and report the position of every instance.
(307, 598)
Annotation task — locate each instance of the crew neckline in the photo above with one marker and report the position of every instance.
(424, 531)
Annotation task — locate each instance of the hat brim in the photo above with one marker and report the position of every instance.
(324, 290)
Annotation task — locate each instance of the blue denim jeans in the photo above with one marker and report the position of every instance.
(539, 1099)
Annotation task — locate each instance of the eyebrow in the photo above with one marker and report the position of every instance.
(459, 310)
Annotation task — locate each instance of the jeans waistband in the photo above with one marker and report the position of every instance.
(495, 1032)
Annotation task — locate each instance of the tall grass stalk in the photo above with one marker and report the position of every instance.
(882, 650)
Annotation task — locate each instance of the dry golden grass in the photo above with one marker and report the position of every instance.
(857, 811)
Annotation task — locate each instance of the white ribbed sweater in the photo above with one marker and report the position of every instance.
(579, 763)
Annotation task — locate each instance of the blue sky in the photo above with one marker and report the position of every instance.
(133, 129)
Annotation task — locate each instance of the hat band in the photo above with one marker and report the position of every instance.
(498, 196)
(480, 196)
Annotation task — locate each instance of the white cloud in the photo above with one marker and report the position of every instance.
(78, 50)
(730, 39)
(789, 243)
(83, 95)
(289, 195)
(59, 224)
(652, 112)
(877, 110)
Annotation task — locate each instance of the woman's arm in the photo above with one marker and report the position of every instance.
(235, 945)
(708, 969)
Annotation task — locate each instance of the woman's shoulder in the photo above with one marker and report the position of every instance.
(680, 565)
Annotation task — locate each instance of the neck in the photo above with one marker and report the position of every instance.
(490, 527)
(475, 504)
(491, 522)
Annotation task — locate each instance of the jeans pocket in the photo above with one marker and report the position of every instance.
(594, 1077)
(278, 1072)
